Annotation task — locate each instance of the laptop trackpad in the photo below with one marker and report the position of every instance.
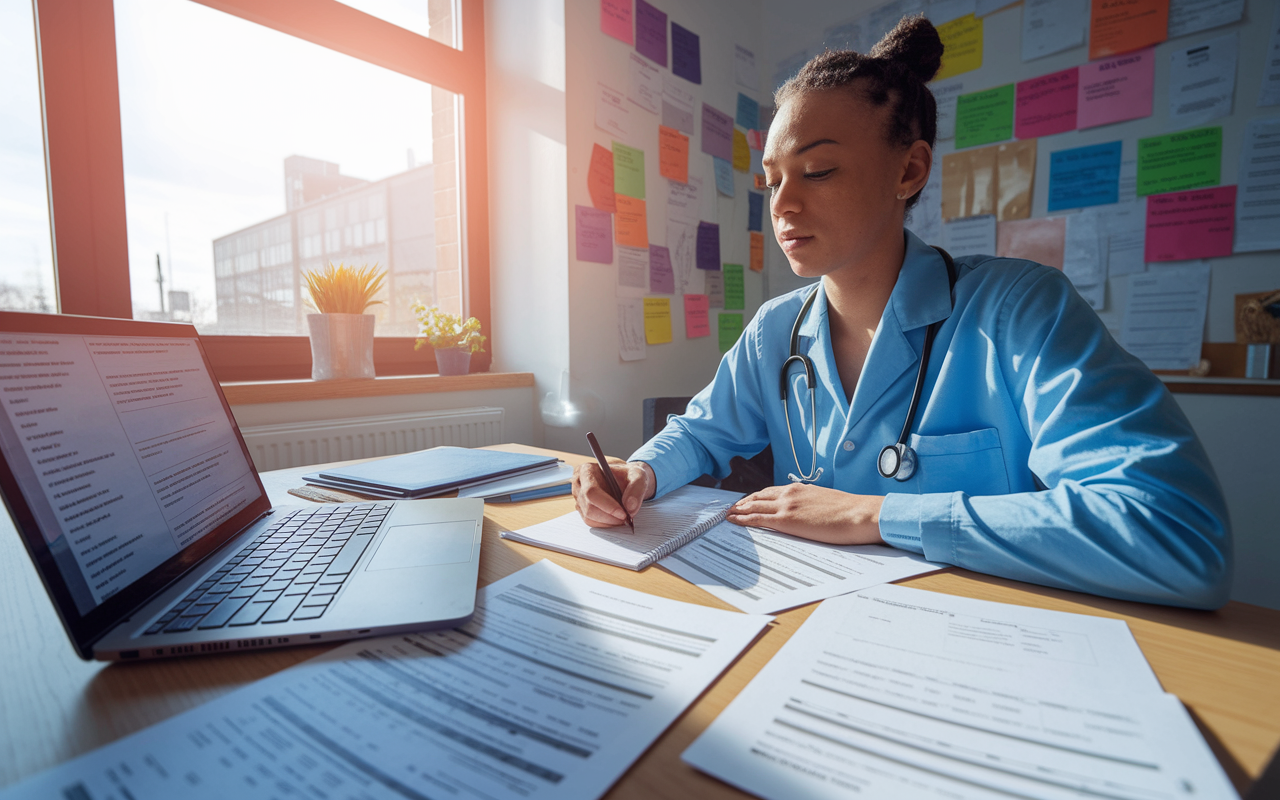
(425, 545)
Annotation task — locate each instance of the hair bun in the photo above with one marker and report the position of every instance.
(913, 43)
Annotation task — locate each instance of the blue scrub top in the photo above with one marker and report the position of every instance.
(1046, 453)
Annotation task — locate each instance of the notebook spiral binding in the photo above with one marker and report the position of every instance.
(672, 545)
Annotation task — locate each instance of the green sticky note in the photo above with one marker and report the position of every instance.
(733, 287)
(1182, 160)
(628, 171)
(984, 117)
(730, 330)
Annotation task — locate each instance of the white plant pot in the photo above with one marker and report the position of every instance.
(341, 346)
(453, 361)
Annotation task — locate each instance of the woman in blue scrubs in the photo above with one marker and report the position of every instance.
(1042, 451)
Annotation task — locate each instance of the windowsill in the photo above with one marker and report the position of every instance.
(240, 393)
(1187, 384)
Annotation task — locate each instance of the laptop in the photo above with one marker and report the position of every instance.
(131, 486)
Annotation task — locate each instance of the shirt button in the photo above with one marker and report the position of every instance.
(848, 446)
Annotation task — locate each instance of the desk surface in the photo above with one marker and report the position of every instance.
(1224, 665)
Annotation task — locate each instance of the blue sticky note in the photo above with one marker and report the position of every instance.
(1084, 176)
(748, 112)
(708, 246)
(755, 211)
(724, 177)
(686, 54)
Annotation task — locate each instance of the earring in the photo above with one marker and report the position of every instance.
(900, 195)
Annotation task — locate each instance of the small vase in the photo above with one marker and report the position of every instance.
(341, 346)
(453, 361)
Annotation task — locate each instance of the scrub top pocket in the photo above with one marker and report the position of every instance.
(970, 462)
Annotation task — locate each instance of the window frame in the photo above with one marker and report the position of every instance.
(80, 99)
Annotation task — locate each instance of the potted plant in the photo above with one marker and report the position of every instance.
(453, 339)
(342, 333)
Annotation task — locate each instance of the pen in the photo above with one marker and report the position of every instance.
(610, 481)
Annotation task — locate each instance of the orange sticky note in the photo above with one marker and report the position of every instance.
(741, 151)
(757, 252)
(600, 179)
(631, 228)
(673, 154)
(1122, 26)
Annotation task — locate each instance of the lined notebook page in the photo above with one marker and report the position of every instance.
(687, 509)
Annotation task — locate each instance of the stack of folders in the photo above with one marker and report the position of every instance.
(493, 475)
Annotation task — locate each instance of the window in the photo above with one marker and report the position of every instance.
(256, 142)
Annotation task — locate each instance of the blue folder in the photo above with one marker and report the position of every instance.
(428, 472)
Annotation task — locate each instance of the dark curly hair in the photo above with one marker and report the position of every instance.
(893, 74)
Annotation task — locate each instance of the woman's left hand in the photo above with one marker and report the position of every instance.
(812, 512)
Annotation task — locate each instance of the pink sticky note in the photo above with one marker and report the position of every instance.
(594, 234)
(615, 20)
(1047, 105)
(1115, 89)
(697, 308)
(1199, 223)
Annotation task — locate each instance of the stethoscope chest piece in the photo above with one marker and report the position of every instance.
(897, 461)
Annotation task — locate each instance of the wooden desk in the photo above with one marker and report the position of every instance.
(1225, 665)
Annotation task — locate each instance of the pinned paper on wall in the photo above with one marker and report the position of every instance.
(661, 279)
(755, 211)
(757, 251)
(715, 288)
(708, 246)
(686, 54)
(600, 179)
(683, 200)
(755, 140)
(1202, 81)
(1122, 26)
(944, 95)
(697, 312)
(1269, 93)
(1258, 199)
(611, 113)
(1047, 105)
(1124, 234)
(717, 133)
(628, 171)
(1082, 262)
(744, 67)
(633, 271)
(615, 19)
(631, 346)
(657, 320)
(748, 115)
(734, 287)
(961, 46)
(646, 85)
(984, 117)
(1051, 26)
(989, 180)
(632, 228)
(651, 33)
(730, 329)
(1164, 316)
(1015, 176)
(1084, 176)
(971, 236)
(724, 176)
(1192, 16)
(741, 151)
(1186, 225)
(1178, 161)
(1116, 89)
(925, 217)
(593, 234)
(673, 154)
(1129, 180)
(677, 105)
(1040, 240)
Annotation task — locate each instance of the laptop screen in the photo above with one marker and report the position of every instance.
(123, 449)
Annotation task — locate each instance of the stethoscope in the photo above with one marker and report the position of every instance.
(898, 460)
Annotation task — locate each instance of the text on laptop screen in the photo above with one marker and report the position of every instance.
(123, 450)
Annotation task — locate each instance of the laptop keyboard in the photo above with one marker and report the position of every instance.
(290, 572)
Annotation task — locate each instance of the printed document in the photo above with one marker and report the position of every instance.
(552, 691)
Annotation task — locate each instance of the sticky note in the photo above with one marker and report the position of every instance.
(1122, 26)
(615, 19)
(628, 171)
(1040, 240)
(748, 112)
(984, 117)
(715, 288)
(686, 56)
(633, 271)
(757, 251)
(600, 179)
(651, 33)
(632, 228)
(673, 154)
(1116, 89)
(1178, 161)
(697, 310)
(1084, 176)
(593, 232)
(741, 152)
(755, 211)
(730, 328)
(989, 180)
(734, 287)
(646, 85)
(661, 278)
(724, 176)
(1185, 225)
(961, 46)
(755, 139)
(657, 320)
(708, 246)
(1047, 105)
(717, 133)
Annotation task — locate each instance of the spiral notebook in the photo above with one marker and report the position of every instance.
(663, 526)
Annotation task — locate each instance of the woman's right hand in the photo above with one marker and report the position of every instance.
(591, 491)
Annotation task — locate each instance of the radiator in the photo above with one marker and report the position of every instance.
(298, 444)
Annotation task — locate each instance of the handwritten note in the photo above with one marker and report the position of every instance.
(593, 232)
(717, 133)
(1186, 225)
(1116, 89)
(628, 171)
(611, 112)
(757, 251)
(961, 46)
(651, 33)
(1047, 105)
(724, 176)
(657, 320)
(1040, 240)
(677, 105)
(1122, 26)
(1178, 161)
(673, 154)
(744, 67)
(734, 287)
(615, 19)
(755, 211)
(646, 85)
(697, 314)
(1084, 176)
(714, 282)
(741, 151)
(708, 246)
(686, 54)
(730, 329)
(600, 179)
(631, 346)
(661, 279)
(632, 227)
(984, 117)
(633, 271)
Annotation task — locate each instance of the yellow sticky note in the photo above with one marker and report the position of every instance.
(657, 320)
(631, 226)
(741, 151)
(961, 46)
